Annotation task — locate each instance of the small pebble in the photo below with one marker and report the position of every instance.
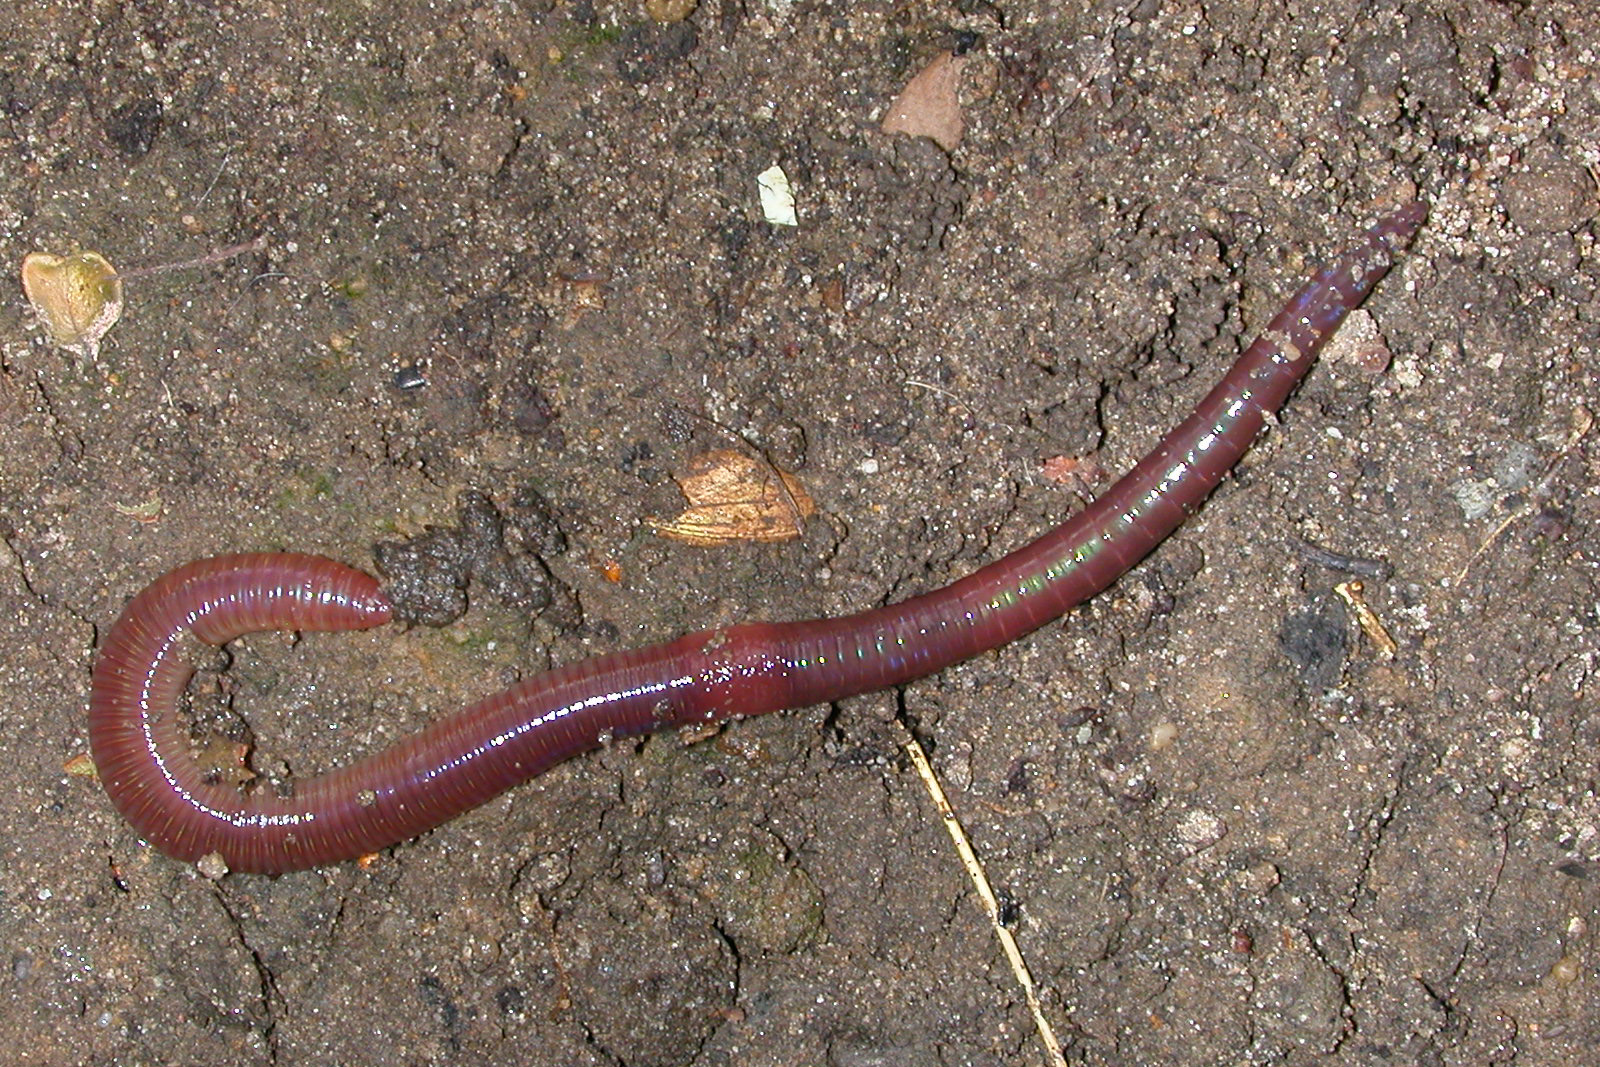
(1551, 194)
(212, 866)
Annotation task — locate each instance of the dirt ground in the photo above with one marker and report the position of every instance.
(518, 246)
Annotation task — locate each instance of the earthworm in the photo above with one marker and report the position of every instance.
(457, 763)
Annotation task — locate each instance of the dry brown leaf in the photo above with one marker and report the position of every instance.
(734, 497)
(930, 104)
(77, 298)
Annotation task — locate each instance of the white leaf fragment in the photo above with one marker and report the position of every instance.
(777, 197)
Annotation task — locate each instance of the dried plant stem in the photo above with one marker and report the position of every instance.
(255, 244)
(991, 904)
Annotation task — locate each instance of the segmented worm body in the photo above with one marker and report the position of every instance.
(143, 755)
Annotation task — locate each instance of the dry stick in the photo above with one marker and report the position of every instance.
(980, 881)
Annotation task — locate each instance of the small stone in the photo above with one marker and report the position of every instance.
(1550, 194)
(212, 866)
(1200, 829)
(670, 10)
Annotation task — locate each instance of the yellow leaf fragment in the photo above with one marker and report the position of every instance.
(930, 104)
(734, 497)
(147, 510)
(81, 766)
(78, 298)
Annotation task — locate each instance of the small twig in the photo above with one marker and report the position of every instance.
(1582, 423)
(947, 394)
(215, 178)
(255, 244)
(245, 291)
(1353, 593)
(1378, 569)
(1100, 65)
(980, 881)
(956, 398)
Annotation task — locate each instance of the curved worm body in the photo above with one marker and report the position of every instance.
(461, 761)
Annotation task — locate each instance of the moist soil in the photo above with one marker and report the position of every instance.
(516, 250)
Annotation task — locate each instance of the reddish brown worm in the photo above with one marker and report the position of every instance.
(142, 750)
